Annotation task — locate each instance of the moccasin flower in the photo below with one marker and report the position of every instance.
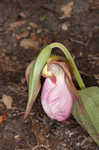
(58, 91)
(56, 97)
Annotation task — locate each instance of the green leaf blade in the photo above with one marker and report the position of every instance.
(34, 77)
(37, 68)
(89, 117)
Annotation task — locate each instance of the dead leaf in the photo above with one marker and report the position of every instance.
(7, 100)
(94, 4)
(27, 72)
(22, 35)
(14, 58)
(66, 9)
(29, 43)
(23, 80)
(3, 54)
(22, 14)
(33, 25)
(1, 105)
(17, 24)
(7, 66)
(7, 59)
(65, 26)
(34, 37)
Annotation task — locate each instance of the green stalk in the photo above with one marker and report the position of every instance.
(72, 63)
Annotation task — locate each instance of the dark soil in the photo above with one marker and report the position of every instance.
(44, 22)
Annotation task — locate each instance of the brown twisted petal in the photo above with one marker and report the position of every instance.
(35, 93)
(27, 72)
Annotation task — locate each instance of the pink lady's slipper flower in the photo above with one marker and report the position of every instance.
(56, 98)
(58, 90)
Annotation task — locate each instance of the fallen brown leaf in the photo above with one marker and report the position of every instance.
(94, 4)
(7, 100)
(33, 25)
(29, 43)
(7, 59)
(17, 24)
(22, 35)
(65, 26)
(3, 54)
(22, 14)
(7, 67)
(66, 9)
(34, 37)
(14, 58)
(23, 80)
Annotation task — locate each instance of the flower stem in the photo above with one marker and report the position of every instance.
(72, 63)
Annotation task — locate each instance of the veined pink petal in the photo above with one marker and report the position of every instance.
(56, 99)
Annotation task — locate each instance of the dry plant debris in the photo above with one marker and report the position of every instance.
(66, 9)
(22, 35)
(29, 43)
(7, 100)
(17, 24)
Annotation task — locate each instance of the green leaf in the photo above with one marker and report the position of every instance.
(37, 68)
(89, 117)
(34, 76)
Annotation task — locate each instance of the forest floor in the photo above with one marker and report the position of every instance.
(26, 26)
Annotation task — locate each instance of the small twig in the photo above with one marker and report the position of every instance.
(79, 42)
(94, 55)
(86, 74)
